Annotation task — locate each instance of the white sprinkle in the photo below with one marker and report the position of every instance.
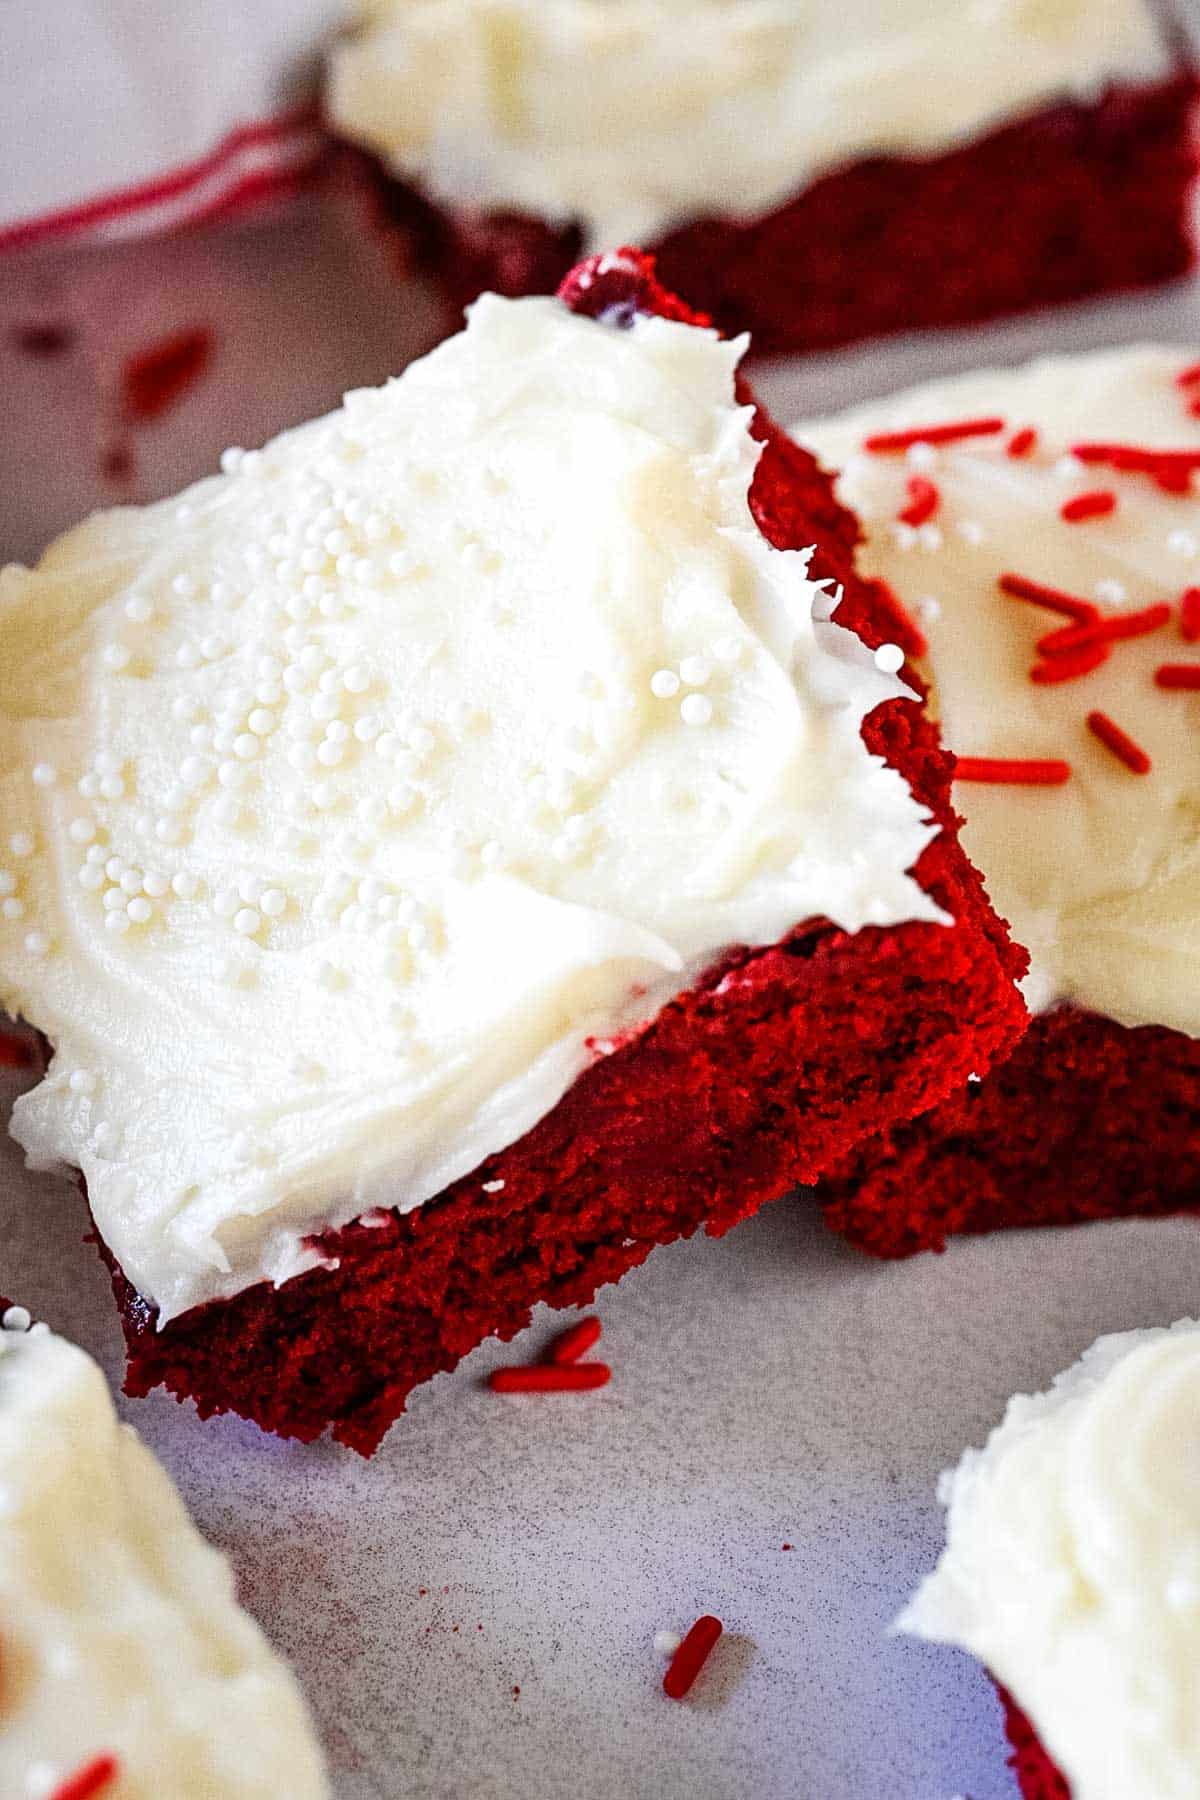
(921, 456)
(8, 882)
(728, 649)
(139, 609)
(97, 853)
(664, 684)
(368, 727)
(889, 658)
(225, 902)
(82, 1081)
(402, 799)
(928, 609)
(970, 531)
(131, 881)
(695, 670)
(12, 909)
(1111, 593)
(492, 1187)
(666, 1643)
(930, 537)
(21, 844)
(112, 787)
(140, 911)
(330, 753)
(117, 921)
(246, 745)
(250, 888)
(183, 585)
(185, 884)
(89, 786)
(231, 459)
(1068, 468)
(91, 876)
(697, 709)
(114, 900)
(231, 775)
(16, 1318)
(324, 796)
(904, 536)
(212, 647)
(81, 831)
(274, 903)
(1181, 543)
(247, 921)
(37, 943)
(155, 884)
(44, 774)
(115, 656)
(261, 722)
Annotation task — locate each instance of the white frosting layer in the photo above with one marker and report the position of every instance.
(348, 798)
(632, 115)
(1099, 878)
(119, 1630)
(1072, 1566)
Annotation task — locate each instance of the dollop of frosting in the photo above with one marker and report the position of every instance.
(120, 1634)
(630, 116)
(1099, 877)
(1072, 1565)
(350, 798)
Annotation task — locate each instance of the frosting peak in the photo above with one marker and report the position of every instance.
(345, 798)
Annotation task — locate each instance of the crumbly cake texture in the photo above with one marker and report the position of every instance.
(1037, 1777)
(1094, 1115)
(1094, 196)
(755, 1078)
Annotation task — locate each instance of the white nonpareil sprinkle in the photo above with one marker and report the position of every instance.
(1111, 593)
(16, 1318)
(697, 709)
(922, 457)
(664, 684)
(1181, 543)
(695, 670)
(44, 774)
(889, 658)
(666, 1643)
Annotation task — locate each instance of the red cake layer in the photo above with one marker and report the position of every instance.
(1037, 1777)
(759, 1077)
(1093, 198)
(1085, 1120)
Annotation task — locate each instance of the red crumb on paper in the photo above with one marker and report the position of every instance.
(691, 1656)
(157, 378)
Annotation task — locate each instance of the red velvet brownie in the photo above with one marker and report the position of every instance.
(620, 893)
(1072, 1571)
(1048, 555)
(815, 178)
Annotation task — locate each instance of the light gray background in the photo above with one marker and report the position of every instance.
(771, 1388)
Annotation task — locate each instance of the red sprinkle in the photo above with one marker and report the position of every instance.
(1171, 469)
(1023, 441)
(1194, 407)
(152, 382)
(1188, 377)
(691, 1656)
(1069, 666)
(1179, 675)
(923, 501)
(1096, 505)
(1053, 599)
(549, 1378)
(1106, 631)
(1020, 771)
(883, 441)
(1119, 742)
(1189, 615)
(570, 1344)
(93, 1778)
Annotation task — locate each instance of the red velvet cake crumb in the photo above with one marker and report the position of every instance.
(763, 1074)
(1094, 198)
(1036, 1775)
(1086, 1120)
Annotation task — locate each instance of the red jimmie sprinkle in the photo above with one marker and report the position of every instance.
(923, 501)
(1171, 469)
(549, 1378)
(1189, 615)
(570, 1344)
(1023, 441)
(691, 1656)
(1070, 666)
(1119, 742)
(950, 433)
(1019, 771)
(1096, 505)
(153, 381)
(1106, 631)
(93, 1778)
(1179, 675)
(1053, 599)
(1188, 377)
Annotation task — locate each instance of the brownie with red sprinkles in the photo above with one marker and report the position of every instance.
(760, 1075)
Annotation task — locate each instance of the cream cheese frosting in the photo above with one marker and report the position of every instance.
(353, 800)
(1099, 877)
(1072, 1565)
(632, 115)
(120, 1634)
